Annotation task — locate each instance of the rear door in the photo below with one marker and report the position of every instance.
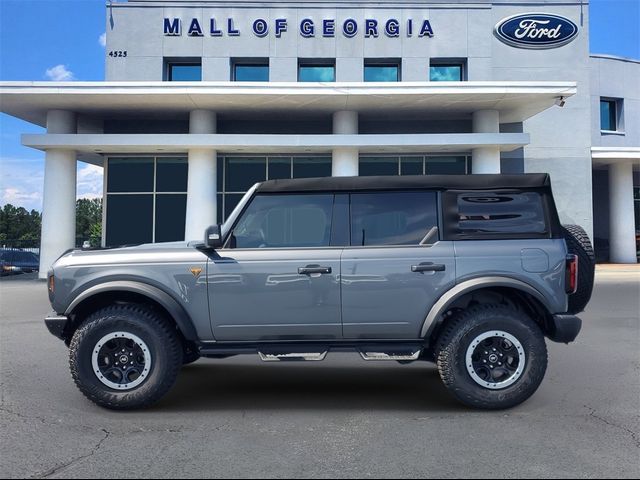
(278, 277)
(396, 267)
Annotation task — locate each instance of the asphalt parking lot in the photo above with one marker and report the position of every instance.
(338, 418)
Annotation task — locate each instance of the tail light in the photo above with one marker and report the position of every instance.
(51, 284)
(571, 279)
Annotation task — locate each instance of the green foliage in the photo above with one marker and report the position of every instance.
(19, 225)
(16, 223)
(89, 220)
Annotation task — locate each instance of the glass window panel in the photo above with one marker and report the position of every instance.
(133, 174)
(608, 115)
(446, 165)
(221, 217)
(170, 217)
(445, 73)
(220, 173)
(378, 166)
(317, 73)
(171, 175)
(411, 166)
(381, 73)
(251, 73)
(279, 168)
(184, 72)
(242, 172)
(310, 167)
(285, 221)
(488, 213)
(392, 218)
(230, 202)
(129, 219)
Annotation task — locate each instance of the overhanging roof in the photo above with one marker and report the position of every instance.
(516, 101)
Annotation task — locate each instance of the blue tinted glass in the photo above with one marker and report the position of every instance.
(310, 167)
(445, 73)
(446, 165)
(381, 73)
(251, 73)
(317, 73)
(185, 73)
(607, 115)
(372, 166)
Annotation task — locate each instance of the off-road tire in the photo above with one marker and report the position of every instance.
(147, 324)
(578, 243)
(460, 332)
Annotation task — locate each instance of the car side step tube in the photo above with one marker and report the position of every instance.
(289, 357)
(388, 356)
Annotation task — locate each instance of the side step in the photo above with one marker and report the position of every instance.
(388, 354)
(292, 357)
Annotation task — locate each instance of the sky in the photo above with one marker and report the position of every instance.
(63, 40)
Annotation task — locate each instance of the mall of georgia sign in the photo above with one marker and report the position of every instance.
(536, 30)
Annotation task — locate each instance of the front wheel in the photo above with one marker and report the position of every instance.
(492, 357)
(125, 356)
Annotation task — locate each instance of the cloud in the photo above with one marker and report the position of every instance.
(89, 183)
(16, 197)
(102, 40)
(59, 73)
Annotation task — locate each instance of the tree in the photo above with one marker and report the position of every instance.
(89, 220)
(19, 225)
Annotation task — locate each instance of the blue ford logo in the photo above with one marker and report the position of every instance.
(536, 30)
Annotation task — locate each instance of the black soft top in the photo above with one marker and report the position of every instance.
(407, 182)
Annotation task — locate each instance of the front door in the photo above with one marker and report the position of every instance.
(278, 277)
(395, 268)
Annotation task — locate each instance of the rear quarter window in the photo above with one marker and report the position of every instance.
(495, 215)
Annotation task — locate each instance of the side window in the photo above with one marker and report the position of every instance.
(392, 218)
(285, 221)
(490, 213)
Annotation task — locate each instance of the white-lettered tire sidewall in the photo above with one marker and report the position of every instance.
(155, 334)
(457, 378)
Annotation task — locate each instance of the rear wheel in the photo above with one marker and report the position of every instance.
(578, 244)
(125, 356)
(492, 357)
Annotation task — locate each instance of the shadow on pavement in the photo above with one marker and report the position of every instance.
(210, 386)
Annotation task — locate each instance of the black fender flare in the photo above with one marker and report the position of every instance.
(434, 317)
(154, 293)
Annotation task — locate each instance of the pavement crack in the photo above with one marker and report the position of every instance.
(58, 468)
(634, 435)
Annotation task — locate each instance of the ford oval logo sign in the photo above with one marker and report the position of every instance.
(536, 30)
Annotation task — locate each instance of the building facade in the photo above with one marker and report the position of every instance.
(203, 98)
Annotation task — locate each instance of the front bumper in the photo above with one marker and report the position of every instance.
(564, 328)
(56, 324)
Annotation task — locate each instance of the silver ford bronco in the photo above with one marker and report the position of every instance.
(470, 272)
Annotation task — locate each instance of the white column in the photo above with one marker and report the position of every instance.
(344, 162)
(486, 159)
(622, 230)
(202, 183)
(58, 230)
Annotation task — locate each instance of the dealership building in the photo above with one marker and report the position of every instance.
(203, 98)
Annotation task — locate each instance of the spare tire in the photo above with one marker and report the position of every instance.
(578, 244)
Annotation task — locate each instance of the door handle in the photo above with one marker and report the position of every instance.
(313, 269)
(428, 267)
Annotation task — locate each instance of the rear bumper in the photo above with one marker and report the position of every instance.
(564, 328)
(56, 324)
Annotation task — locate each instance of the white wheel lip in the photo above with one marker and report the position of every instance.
(139, 342)
(513, 378)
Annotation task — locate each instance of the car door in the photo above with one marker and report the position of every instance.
(395, 268)
(278, 277)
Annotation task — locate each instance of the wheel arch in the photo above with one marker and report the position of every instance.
(518, 291)
(132, 291)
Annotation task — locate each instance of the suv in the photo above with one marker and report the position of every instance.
(470, 272)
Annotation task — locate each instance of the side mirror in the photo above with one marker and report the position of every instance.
(213, 237)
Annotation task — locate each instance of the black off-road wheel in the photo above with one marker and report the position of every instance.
(125, 356)
(491, 356)
(578, 244)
